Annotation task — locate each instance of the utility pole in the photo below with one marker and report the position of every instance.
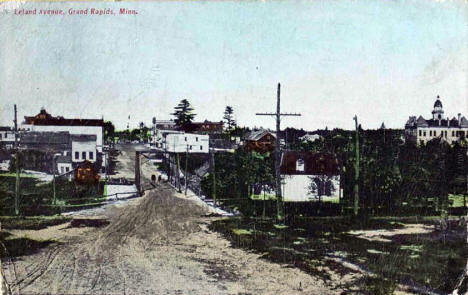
(137, 172)
(186, 169)
(278, 115)
(17, 160)
(356, 169)
(178, 173)
(213, 171)
(53, 184)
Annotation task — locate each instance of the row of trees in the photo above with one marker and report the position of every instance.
(184, 115)
(396, 177)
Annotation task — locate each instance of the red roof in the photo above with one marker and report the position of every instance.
(313, 163)
(44, 118)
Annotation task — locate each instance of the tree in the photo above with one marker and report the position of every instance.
(321, 185)
(183, 114)
(229, 118)
(109, 130)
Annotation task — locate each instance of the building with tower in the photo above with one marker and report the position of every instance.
(421, 130)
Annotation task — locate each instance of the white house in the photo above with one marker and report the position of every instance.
(187, 142)
(308, 176)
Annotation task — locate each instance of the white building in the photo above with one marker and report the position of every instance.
(309, 177)
(44, 122)
(7, 137)
(83, 148)
(421, 130)
(309, 137)
(187, 142)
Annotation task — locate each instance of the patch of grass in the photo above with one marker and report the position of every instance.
(34, 223)
(261, 197)
(22, 175)
(426, 259)
(456, 200)
(240, 231)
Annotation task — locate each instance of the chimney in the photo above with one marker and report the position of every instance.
(459, 117)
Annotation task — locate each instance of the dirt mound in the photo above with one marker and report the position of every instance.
(158, 217)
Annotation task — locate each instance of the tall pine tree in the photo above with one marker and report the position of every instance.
(183, 114)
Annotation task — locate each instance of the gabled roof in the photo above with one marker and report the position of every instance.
(421, 122)
(314, 163)
(257, 135)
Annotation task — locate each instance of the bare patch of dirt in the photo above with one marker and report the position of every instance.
(384, 235)
(158, 243)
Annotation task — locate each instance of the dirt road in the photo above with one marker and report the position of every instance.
(157, 244)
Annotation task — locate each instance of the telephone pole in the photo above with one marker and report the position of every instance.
(213, 171)
(278, 115)
(17, 163)
(186, 169)
(137, 172)
(356, 170)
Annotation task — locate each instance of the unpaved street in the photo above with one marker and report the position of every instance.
(157, 244)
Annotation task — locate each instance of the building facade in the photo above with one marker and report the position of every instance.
(420, 130)
(187, 142)
(44, 122)
(309, 176)
(7, 137)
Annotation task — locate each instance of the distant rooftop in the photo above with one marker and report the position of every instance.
(46, 119)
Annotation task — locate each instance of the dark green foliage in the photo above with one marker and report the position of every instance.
(36, 198)
(109, 132)
(183, 114)
(229, 118)
(237, 173)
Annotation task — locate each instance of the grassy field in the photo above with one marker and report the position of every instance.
(37, 197)
(428, 260)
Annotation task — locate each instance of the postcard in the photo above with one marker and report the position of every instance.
(234, 147)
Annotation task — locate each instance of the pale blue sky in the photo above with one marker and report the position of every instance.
(381, 60)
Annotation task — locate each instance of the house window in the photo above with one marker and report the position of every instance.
(424, 133)
(6, 135)
(190, 147)
(420, 133)
(77, 155)
(185, 138)
(67, 169)
(196, 138)
(0, 136)
(430, 133)
(300, 165)
(83, 155)
(62, 170)
(201, 148)
(91, 155)
(453, 133)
